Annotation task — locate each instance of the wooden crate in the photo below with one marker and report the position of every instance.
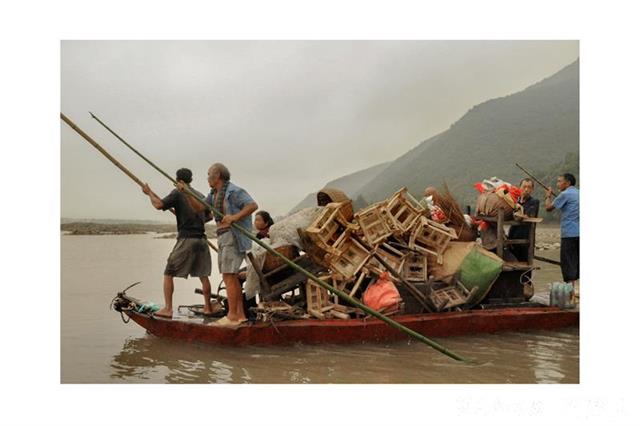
(392, 256)
(373, 224)
(431, 238)
(326, 230)
(401, 211)
(350, 257)
(415, 268)
(317, 298)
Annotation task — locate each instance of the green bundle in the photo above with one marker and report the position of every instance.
(480, 268)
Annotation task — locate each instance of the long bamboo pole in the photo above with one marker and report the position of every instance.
(151, 163)
(536, 179)
(113, 160)
(546, 259)
(342, 295)
(133, 149)
(410, 287)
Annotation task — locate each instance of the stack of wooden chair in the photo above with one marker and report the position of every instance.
(395, 235)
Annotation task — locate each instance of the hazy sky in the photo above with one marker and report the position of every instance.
(285, 117)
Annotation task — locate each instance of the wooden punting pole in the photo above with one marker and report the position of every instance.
(115, 162)
(535, 179)
(546, 259)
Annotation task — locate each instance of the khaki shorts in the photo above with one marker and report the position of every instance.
(190, 256)
(229, 257)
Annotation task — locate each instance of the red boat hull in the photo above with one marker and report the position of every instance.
(358, 331)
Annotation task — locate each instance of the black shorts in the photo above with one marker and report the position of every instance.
(570, 258)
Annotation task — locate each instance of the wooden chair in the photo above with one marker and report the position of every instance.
(508, 287)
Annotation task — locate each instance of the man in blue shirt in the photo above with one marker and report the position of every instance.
(236, 206)
(568, 202)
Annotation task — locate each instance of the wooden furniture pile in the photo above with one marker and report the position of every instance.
(394, 236)
(349, 251)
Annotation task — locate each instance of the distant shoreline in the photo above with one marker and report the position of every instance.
(546, 236)
(92, 228)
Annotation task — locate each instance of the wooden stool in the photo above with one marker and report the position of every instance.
(395, 258)
(401, 211)
(415, 268)
(451, 296)
(431, 237)
(373, 223)
(328, 227)
(350, 256)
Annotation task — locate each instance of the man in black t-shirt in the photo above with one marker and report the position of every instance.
(190, 255)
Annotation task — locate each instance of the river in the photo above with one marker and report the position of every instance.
(97, 347)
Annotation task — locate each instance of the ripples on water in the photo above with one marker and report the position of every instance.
(549, 357)
(97, 347)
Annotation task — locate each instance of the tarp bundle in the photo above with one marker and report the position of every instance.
(479, 269)
(495, 195)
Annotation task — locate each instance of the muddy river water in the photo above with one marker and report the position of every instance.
(96, 347)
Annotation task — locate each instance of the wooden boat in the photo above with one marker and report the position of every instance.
(503, 309)
(336, 331)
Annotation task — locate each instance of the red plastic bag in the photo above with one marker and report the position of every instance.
(513, 191)
(382, 294)
(437, 214)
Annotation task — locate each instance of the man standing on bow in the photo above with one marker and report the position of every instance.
(190, 255)
(235, 206)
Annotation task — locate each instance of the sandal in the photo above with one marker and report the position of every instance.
(226, 322)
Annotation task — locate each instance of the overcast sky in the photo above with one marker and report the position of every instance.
(285, 117)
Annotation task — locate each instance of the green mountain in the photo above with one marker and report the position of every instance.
(351, 185)
(536, 127)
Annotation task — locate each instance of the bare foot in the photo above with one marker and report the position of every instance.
(207, 310)
(164, 313)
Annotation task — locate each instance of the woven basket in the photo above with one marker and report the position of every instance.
(332, 195)
(272, 262)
